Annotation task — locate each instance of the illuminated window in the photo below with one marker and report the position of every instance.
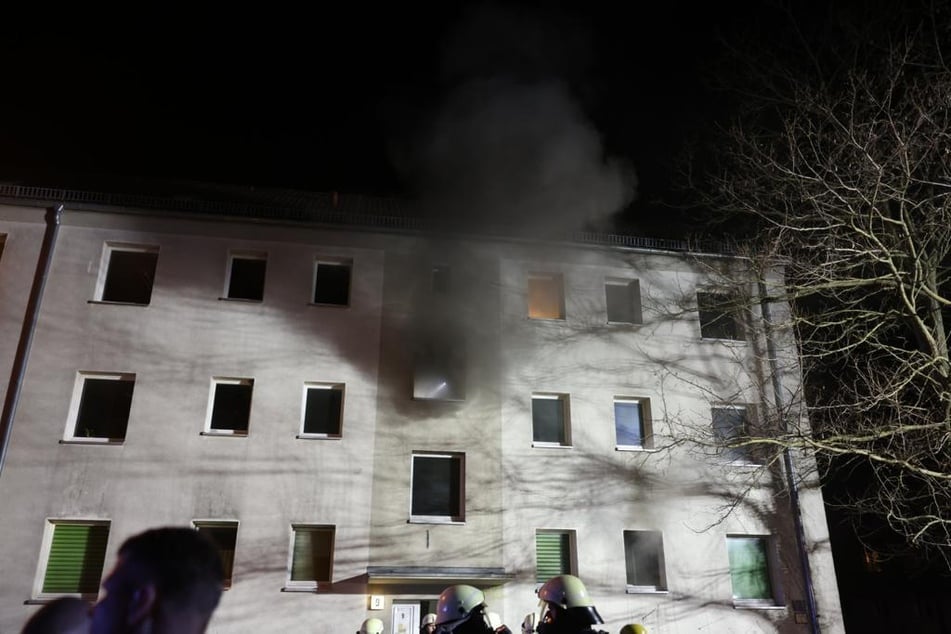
(311, 557)
(554, 554)
(623, 298)
(224, 535)
(438, 487)
(245, 275)
(73, 556)
(126, 273)
(229, 407)
(332, 282)
(550, 420)
(322, 410)
(546, 296)
(644, 559)
(632, 423)
(751, 570)
(100, 407)
(720, 316)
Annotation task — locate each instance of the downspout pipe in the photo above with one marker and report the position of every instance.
(30, 318)
(788, 465)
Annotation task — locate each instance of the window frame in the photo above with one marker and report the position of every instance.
(720, 310)
(42, 567)
(646, 418)
(776, 598)
(749, 458)
(76, 401)
(634, 288)
(558, 281)
(309, 585)
(332, 261)
(319, 385)
(566, 419)
(457, 458)
(198, 524)
(661, 586)
(445, 356)
(243, 254)
(105, 261)
(572, 556)
(209, 414)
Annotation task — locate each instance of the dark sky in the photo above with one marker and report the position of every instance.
(385, 99)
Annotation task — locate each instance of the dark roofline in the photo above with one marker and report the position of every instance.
(348, 210)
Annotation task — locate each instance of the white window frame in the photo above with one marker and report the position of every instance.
(226, 380)
(219, 523)
(108, 248)
(558, 279)
(72, 416)
(310, 585)
(659, 588)
(317, 385)
(458, 457)
(647, 431)
(777, 601)
(241, 254)
(335, 261)
(630, 283)
(46, 546)
(566, 400)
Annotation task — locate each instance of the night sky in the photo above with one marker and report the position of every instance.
(463, 103)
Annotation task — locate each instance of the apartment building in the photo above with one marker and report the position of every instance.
(361, 411)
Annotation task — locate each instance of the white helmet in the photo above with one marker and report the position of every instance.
(458, 602)
(528, 624)
(428, 619)
(568, 593)
(371, 626)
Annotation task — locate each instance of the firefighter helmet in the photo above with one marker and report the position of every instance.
(371, 626)
(457, 602)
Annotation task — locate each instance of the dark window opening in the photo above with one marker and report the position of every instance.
(719, 316)
(333, 284)
(232, 407)
(642, 550)
(224, 537)
(437, 486)
(730, 425)
(104, 409)
(130, 276)
(549, 420)
(312, 559)
(439, 372)
(247, 278)
(322, 411)
(623, 301)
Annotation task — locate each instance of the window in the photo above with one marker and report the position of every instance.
(550, 420)
(632, 423)
(439, 371)
(229, 407)
(332, 282)
(442, 280)
(246, 270)
(3, 241)
(644, 558)
(546, 296)
(719, 316)
(100, 407)
(751, 569)
(438, 488)
(74, 552)
(731, 425)
(224, 535)
(126, 273)
(322, 410)
(311, 557)
(623, 299)
(554, 554)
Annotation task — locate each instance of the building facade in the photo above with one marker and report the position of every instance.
(361, 413)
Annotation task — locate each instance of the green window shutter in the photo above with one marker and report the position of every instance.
(313, 553)
(552, 554)
(76, 557)
(749, 568)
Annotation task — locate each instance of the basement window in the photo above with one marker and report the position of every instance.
(245, 275)
(229, 407)
(99, 411)
(332, 282)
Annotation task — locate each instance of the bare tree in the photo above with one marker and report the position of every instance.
(841, 163)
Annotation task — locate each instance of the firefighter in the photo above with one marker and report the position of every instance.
(566, 607)
(371, 626)
(462, 610)
(428, 624)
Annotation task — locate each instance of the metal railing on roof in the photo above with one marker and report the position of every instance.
(322, 208)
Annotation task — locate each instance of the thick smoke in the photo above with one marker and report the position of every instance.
(510, 144)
